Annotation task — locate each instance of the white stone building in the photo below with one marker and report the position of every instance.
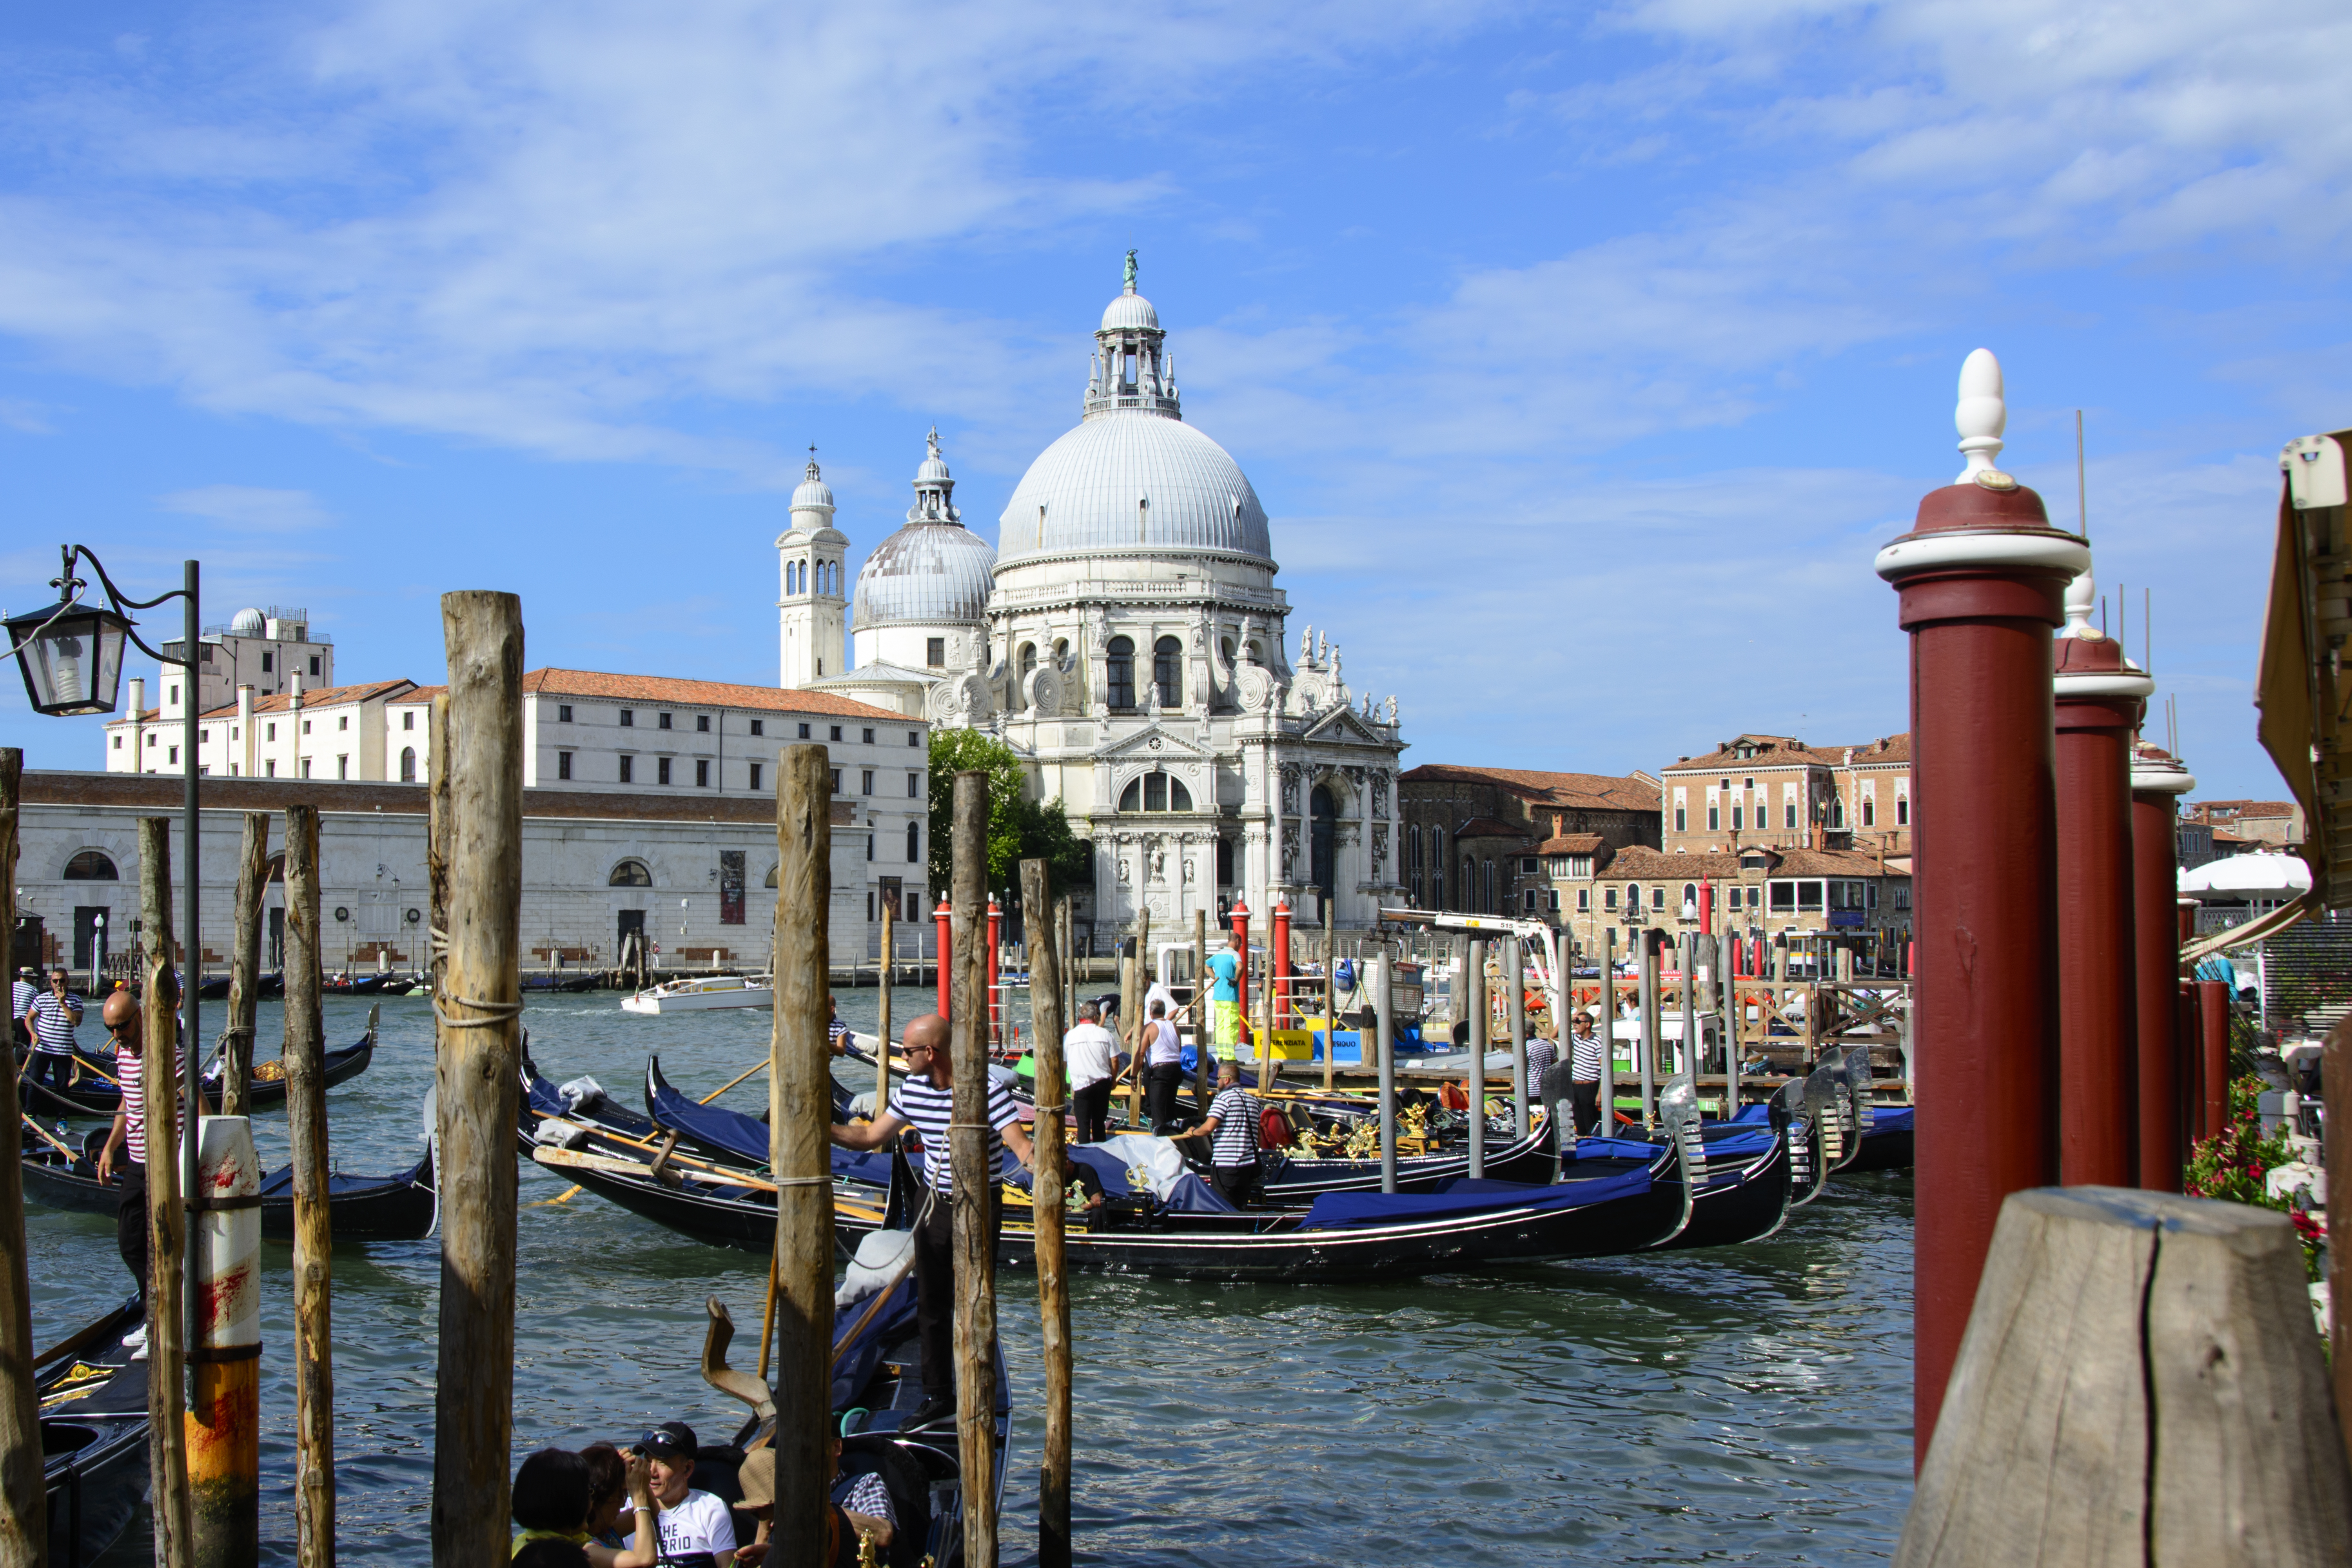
(1126, 640)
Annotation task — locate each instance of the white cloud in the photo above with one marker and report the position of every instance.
(250, 508)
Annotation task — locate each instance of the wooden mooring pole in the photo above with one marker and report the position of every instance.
(800, 1109)
(1384, 1041)
(244, 967)
(2138, 1384)
(1204, 1031)
(167, 1218)
(882, 1021)
(304, 1054)
(975, 1182)
(1475, 1078)
(1053, 1095)
(478, 1003)
(1330, 1000)
(23, 1504)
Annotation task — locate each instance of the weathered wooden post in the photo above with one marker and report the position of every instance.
(245, 966)
(478, 1003)
(1513, 972)
(1053, 1093)
(2157, 782)
(1647, 970)
(1130, 1024)
(800, 1109)
(224, 1430)
(1205, 1033)
(1384, 1019)
(23, 1502)
(975, 1181)
(167, 1217)
(882, 1017)
(1474, 1076)
(995, 970)
(1606, 1009)
(2335, 1084)
(304, 1053)
(1330, 1002)
(2138, 1384)
(2098, 696)
(1979, 578)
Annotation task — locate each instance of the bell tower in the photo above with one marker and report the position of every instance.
(812, 612)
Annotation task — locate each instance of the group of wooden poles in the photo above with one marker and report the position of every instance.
(204, 1343)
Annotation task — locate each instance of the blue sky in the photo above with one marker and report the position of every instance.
(1582, 357)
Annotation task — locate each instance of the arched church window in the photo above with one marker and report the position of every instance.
(1225, 647)
(1632, 895)
(1155, 792)
(914, 842)
(92, 866)
(1028, 659)
(1168, 670)
(408, 764)
(1119, 664)
(633, 874)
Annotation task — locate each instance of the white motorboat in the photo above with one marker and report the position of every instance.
(702, 993)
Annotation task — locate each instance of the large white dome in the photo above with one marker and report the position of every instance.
(1130, 481)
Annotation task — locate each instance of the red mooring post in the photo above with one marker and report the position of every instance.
(947, 943)
(2099, 696)
(1980, 576)
(2158, 781)
(1240, 917)
(2213, 1035)
(1278, 973)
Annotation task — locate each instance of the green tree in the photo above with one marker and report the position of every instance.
(1019, 827)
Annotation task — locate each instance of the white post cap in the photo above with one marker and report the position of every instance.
(1982, 415)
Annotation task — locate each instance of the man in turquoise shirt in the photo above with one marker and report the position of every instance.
(1225, 996)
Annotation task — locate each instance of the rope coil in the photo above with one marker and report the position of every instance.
(499, 1012)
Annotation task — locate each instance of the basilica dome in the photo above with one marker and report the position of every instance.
(932, 571)
(1128, 479)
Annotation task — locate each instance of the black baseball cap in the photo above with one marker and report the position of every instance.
(670, 1438)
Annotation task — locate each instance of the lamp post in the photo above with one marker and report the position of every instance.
(71, 657)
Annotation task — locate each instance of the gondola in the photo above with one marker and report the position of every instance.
(93, 1401)
(97, 1096)
(397, 1207)
(725, 1135)
(613, 1129)
(559, 981)
(877, 1387)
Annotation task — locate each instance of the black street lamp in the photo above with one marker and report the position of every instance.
(71, 657)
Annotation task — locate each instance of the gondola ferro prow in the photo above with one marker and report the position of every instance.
(742, 1385)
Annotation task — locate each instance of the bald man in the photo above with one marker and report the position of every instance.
(925, 1100)
(121, 1017)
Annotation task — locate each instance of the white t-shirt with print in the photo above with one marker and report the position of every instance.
(699, 1523)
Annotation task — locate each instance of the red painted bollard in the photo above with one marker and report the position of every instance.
(946, 945)
(1980, 576)
(2213, 1037)
(2157, 782)
(2099, 697)
(1278, 972)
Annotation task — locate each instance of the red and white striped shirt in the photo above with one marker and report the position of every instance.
(130, 1072)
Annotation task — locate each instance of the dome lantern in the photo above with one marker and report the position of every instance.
(1131, 367)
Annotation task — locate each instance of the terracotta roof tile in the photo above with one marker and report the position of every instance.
(1591, 791)
(655, 688)
(1571, 844)
(323, 697)
(1490, 828)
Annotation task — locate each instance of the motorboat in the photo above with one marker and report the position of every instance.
(703, 992)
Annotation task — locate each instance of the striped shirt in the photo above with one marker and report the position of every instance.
(927, 1109)
(20, 998)
(53, 1022)
(1542, 1056)
(1584, 1057)
(1235, 1113)
(130, 1072)
(838, 1032)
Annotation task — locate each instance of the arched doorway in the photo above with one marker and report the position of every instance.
(1322, 836)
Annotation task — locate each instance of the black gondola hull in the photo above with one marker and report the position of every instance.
(96, 1097)
(93, 1438)
(360, 1208)
(1745, 1203)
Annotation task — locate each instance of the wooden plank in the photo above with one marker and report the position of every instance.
(800, 1113)
(477, 1005)
(305, 1055)
(2139, 1384)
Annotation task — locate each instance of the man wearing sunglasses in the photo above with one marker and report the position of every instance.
(53, 1017)
(120, 1015)
(926, 1101)
(698, 1531)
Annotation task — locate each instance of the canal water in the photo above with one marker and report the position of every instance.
(1750, 1404)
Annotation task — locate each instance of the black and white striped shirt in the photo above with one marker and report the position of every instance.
(1542, 1055)
(1584, 1057)
(1235, 1113)
(929, 1109)
(53, 1022)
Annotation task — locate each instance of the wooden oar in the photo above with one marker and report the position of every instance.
(722, 1088)
(574, 1159)
(47, 1137)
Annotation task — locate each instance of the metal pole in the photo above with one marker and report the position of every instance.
(1646, 969)
(1514, 964)
(1476, 1079)
(1608, 1031)
(1385, 1040)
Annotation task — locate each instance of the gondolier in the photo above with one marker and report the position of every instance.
(21, 991)
(1231, 1129)
(925, 1100)
(53, 1017)
(129, 1137)
(1584, 1075)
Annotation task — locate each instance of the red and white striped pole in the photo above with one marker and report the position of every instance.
(1980, 576)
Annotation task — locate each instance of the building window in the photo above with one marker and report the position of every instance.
(1682, 821)
(305, 726)
(804, 732)
(271, 731)
(755, 776)
(834, 733)
(914, 842)
(175, 694)
(869, 902)
(563, 712)
(343, 722)
(837, 781)
(702, 773)
(1527, 866)
(702, 723)
(314, 664)
(265, 664)
(1584, 900)
(343, 767)
(628, 769)
(92, 866)
(661, 770)
(306, 767)
(408, 764)
(630, 874)
(118, 741)
(1784, 898)
(1155, 792)
(1902, 811)
(1735, 813)
(1551, 900)
(1714, 818)
(869, 736)
(563, 764)
(1869, 812)
(759, 726)
(202, 736)
(408, 720)
(1902, 895)
(1788, 812)
(1837, 811)
(1527, 901)
(1119, 667)
(865, 781)
(914, 737)
(628, 718)
(1657, 898)
(1632, 897)
(1690, 896)
(1225, 862)
(1168, 671)
(935, 652)
(869, 854)
(661, 721)
(914, 786)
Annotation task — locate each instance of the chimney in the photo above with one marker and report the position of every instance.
(243, 753)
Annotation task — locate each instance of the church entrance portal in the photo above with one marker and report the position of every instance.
(1322, 835)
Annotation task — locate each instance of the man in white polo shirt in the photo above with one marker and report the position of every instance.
(1090, 1059)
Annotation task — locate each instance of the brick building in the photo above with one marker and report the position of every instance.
(1778, 793)
(1471, 835)
(1840, 898)
(2237, 826)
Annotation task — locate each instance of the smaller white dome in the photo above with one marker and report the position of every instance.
(934, 468)
(812, 491)
(248, 624)
(1129, 310)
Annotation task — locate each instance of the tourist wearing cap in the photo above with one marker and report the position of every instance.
(698, 1531)
(863, 1500)
(53, 1017)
